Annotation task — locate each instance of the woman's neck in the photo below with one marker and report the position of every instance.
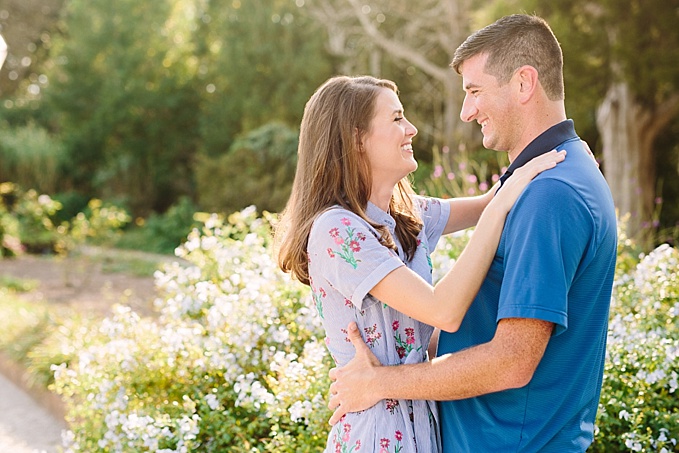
(381, 197)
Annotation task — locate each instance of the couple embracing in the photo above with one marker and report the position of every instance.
(523, 312)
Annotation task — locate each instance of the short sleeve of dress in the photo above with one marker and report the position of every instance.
(435, 213)
(344, 250)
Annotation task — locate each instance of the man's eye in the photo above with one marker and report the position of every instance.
(398, 118)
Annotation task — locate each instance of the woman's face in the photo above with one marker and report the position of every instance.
(388, 142)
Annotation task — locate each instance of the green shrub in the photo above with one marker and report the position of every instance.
(162, 233)
(99, 223)
(35, 213)
(29, 221)
(10, 242)
(639, 408)
(31, 157)
(257, 170)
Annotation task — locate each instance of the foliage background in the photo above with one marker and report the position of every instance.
(142, 103)
(170, 107)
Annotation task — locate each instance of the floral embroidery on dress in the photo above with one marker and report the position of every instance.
(318, 298)
(351, 305)
(342, 436)
(403, 347)
(384, 443)
(341, 239)
(426, 253)
(392, 405)
(349, 245)
(372, 335)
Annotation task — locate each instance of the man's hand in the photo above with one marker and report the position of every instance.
(353, 388)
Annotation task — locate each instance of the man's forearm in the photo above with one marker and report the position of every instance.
(508, 361)
(464, 374)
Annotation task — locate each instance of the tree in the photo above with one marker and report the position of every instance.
(122, 88)
(260, 61)
(642, 98)
(26, 26)
(413, 44)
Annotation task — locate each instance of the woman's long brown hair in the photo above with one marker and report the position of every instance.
(332, 170)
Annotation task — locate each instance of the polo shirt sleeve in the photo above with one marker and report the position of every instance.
(345, 251)
(434, 213)
(546, 234)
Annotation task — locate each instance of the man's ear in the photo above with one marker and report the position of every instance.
(527, 79)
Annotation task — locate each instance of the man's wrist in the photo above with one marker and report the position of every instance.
(381, 381)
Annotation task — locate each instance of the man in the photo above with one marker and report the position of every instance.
(523, 373)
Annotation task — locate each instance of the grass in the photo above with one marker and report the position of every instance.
(130, 262)
(19, 285)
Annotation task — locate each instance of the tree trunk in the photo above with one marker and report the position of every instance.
(628, 130)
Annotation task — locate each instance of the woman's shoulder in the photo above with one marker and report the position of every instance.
(337, 216)
(425, 203)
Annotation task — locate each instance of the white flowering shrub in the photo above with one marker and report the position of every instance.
(235, 360)
(232, 363)
(639, 405)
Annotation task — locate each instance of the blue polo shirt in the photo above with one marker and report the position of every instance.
(555, 262)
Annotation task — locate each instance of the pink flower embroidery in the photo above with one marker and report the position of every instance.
(341, 437)
(403, 347)
(391, 405)
(348, 244)
(372, 335)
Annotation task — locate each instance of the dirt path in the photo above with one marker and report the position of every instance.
(82, 282)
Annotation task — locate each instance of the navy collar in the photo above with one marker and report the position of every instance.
(543, 143)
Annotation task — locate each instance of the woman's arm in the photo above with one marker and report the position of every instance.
(466, 211)
(445, 304)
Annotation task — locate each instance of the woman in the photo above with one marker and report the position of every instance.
(357, 234)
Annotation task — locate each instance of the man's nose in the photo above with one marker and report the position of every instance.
(468, 111)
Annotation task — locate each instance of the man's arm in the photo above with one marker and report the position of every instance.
(507, 361)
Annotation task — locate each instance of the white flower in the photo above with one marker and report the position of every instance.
(212, 401)
(300, 410)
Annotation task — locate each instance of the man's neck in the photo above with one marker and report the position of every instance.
(546, 117)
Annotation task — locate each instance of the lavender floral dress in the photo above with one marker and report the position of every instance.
(346, 260)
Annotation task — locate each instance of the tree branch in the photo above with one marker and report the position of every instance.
(398, 49)
(665, 113)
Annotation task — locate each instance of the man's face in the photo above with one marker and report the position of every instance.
(491, 105)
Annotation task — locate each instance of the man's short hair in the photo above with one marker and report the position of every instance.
(514, 41)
